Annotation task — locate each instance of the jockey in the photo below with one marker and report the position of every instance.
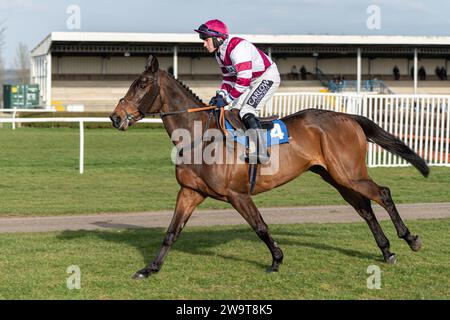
(250, 78)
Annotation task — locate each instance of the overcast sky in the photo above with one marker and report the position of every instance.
(30, 21)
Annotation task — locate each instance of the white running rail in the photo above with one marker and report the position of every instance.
(14, 112)
(421, 121)
(81, 122)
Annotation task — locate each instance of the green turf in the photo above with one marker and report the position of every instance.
(132, 171)
(327, 261)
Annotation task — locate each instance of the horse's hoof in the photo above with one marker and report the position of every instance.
(416, 244)
(392, 259)
(140, 275)
(272, 270)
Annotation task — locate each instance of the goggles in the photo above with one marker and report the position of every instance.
(205, 33)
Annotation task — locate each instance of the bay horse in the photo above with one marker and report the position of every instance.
(330, 144)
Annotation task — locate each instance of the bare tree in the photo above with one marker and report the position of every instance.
(22, 63)
(2, 67)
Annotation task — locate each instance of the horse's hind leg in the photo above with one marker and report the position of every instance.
(187, 201)
(382, 196)
(362, 205)
(385, 200)
(244, 204)
(346, 164)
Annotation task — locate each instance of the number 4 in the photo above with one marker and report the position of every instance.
(277, 132)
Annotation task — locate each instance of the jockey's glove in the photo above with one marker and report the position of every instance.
(213, 101)
(221, 102)
(221, 99)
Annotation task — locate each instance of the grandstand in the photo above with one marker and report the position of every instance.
(92, 70)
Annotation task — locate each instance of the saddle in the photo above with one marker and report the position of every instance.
(235, 120)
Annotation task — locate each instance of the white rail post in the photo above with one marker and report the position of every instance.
(14, 118)
(81, 147)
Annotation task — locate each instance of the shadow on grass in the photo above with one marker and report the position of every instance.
(203, 242)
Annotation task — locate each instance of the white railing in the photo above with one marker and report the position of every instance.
(14, 112)
(284, 104)
(81, 122)
(421, 121)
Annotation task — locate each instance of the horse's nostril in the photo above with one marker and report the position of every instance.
(115, 120)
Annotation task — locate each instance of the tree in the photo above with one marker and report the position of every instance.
(22, 63)
(2, 67)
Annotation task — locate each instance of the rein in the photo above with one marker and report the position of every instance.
(192, 110)
(149, 98)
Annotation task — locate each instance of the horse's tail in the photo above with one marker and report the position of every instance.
(374, 133)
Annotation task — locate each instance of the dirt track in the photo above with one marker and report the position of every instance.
(318, 214)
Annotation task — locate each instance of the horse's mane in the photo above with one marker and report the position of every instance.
(186, 88)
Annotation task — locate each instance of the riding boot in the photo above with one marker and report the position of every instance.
(257, 147)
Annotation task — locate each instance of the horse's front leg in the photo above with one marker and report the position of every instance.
(244, 204)
(187, 201)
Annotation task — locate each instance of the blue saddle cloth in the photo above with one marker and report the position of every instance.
(277, 135)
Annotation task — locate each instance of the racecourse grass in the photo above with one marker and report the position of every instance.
(322, 261)
(132, 172)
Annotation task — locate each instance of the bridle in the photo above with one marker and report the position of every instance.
(149, 98)
(146, 101)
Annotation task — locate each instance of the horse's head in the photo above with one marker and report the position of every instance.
(140, 98)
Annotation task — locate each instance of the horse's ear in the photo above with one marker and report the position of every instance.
(152, 64)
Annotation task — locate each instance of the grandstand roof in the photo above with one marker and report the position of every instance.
(165, 39)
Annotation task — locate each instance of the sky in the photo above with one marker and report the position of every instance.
(30, 21)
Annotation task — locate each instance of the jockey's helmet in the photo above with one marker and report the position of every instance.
(213, 29)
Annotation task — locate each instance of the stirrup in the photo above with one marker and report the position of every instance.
(263, 159)
(255, 158)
